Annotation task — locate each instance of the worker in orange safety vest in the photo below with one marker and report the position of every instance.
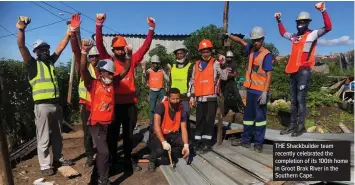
(300, 62)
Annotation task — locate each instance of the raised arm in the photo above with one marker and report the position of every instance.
(127, 66)
(75, 45)
(138, 56)
(236, 39)
(282, 30)
(100, 19)
(327, 22)
(21, 26)
(85, 74)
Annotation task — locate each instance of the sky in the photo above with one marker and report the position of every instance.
(182, 17)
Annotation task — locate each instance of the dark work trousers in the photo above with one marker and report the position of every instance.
(125, 114)
(156, 148)
(205, 119)
(232, 98)
(299, 84)
(87, 136)
(99, 135)
(154, 97)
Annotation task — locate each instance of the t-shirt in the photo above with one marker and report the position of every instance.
(160, 109)
(267, 65)
(233, 69)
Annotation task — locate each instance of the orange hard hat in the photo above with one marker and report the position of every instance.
(205, 44)
(119, 42)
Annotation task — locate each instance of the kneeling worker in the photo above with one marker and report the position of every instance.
(170, 131)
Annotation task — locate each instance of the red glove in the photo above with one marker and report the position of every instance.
(75, 22)
(100, 19)
(151, 23)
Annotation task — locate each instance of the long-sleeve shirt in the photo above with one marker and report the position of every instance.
(146, 78)
(218, 73)
(137, 57)
(311, 38)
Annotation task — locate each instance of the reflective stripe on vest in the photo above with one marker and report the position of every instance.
(179, 78)
(102, 105)
(204, 80)
(169, 125)
(83, 92)
(255, 76)
(44, 84)
(294, 61)
(155, 79)
(126, 85)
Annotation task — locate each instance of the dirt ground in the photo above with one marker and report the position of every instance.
(27, 170)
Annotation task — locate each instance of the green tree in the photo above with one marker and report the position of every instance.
(164, 56)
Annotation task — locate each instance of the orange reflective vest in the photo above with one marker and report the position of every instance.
(294, 62)
(204, 80)
(255, 76)
(126, 85)
(103, 102)
(155, 79)
(169, 125)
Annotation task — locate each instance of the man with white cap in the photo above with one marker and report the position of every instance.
(154, 77)
(103, 103)
(257, 81)
(301, 60)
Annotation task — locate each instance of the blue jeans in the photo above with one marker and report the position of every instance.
(155, 96)
(254, 120)
(299, 84)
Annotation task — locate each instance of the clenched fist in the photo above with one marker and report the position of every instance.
(22, 22)
(151, 23)
(100, 18)
(320, 6)
(86, 44)
(278, 16)
(128, 49)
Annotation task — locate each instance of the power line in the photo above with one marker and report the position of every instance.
(87, 16)
(57, 8)
(35, 28)
(14, 35)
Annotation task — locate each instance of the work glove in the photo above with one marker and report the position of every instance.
(192, 102)
(128, 49)
(75, 22)
(278, 17)
(151, 23)
(185, 151)
(320, 6)
(166, 146)
(22, 22)
(225, 35)
(169, 67)
(100, 19)
(262, 98)
(86, 44)
(222, 59)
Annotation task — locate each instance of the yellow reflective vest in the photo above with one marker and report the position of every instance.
(44, 85)
(179, 78)
(83, 92)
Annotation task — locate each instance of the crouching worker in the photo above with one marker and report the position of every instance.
(170, 131)
(102, 105)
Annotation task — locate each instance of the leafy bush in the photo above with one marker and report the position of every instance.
(279, 105)
(320, 98)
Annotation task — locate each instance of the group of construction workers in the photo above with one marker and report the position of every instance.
(108, 95)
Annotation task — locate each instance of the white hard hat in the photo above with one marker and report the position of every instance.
(180, 47)
(39, 43)
(229, 54)
(155, 59)
(93, 51)
(106, 65)
(304, 16)
(257, 33)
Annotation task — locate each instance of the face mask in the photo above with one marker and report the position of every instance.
(181, 61)
(43, 56)
(175, 106)
(302, 29)
(107, 81)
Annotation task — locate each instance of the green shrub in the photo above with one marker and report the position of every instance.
(320, 98)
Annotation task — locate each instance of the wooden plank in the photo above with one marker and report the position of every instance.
(260, 170)
(236, 174)
(212, 174)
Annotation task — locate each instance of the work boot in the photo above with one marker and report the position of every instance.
(62, 162)
(47, 172)
(89, 162)
(103, 181)
(299, 130)
(152, 166)
(199, 148)
(132, 166)
(205, 148)
(258, 148)
(239, 142)
(291, 128)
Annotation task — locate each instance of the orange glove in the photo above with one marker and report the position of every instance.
(86, 44)
(22, 22)
(320, 6)
(100, 19)
(151, 23)
(75, 22)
